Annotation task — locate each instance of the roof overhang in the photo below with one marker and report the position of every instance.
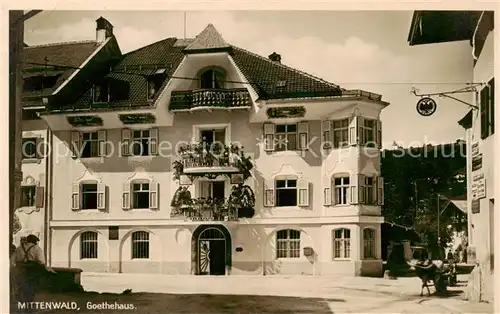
(429, 27)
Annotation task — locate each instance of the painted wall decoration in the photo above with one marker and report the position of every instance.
(286, 112)
(85, 121)
(139, 118)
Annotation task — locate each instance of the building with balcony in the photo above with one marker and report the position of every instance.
(193, 156)
(431, 27)
(58, 71)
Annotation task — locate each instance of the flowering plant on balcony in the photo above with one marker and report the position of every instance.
(242, 198)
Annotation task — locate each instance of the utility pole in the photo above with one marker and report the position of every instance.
(438, 232)
(16, 47)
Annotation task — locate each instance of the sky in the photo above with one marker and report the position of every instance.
(355, 49)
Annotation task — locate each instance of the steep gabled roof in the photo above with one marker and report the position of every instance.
(208, 40)
(70, 54)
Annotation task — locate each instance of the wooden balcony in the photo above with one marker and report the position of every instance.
(200, 159)
(210, 99)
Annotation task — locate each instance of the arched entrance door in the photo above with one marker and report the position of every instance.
(212, 250)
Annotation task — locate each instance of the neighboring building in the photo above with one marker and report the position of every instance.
(314, 169)
(478, 28)
(44, 80)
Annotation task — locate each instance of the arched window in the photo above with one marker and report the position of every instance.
(288, 243)
(369, 243)
(140, 244)
(342, 243)
(88, 245)
(212, 78)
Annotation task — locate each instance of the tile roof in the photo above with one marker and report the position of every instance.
(271, 80)
(71, 54)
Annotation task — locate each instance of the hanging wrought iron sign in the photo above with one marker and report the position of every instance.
(426, 106)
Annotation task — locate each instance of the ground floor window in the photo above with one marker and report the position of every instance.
(369, 243)
(88, 245)
(288, 244)
(140, 244)
(342, 243)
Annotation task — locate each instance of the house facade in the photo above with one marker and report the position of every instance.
(43, 80)
(193, 156)
(479, 124)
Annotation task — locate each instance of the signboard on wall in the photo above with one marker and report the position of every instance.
(478, 186)
(475, 149)
(477, 162)
(475, 206)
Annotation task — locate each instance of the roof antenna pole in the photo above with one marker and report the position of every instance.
(185, 24)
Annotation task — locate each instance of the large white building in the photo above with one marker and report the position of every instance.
(133, 187)
(478, 28)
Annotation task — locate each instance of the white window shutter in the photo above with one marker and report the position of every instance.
(380, 189)
(75, 143)
(378, 136)
(75, 196)
(269, 130)
(269, 193)
(101, 196)
(354, 189)
(353, 130)
(361, 133)
(125, 144)
(101, 139)
(334, 192)
(303, 132)
(126, 195)
(153, 195)
(153, 141)
(327, 132)
(302, 192)
(361, 188)
(39, 196)
(205, 189)
(327, 196)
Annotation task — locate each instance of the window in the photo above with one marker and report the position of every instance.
(286, 137)
(212, 79)
(286, 192)
(88, 245)
(140, 142)
(212, 189)
(341, 190)
(40, 82)
(369, 243)
(90, 145)
(367, 132)
(342, 243)
(100, 93)
(487, 109)
(140, 244)
(209, 137)
(29, 148)
(369, 190)
(89, 196)
(154, 84)
(288, 244)
(28, 195)
(340, 133)
(140, 195)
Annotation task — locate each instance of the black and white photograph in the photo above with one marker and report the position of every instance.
(250, 161)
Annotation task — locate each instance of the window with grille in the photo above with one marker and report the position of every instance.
(288, 244)
(140, 195)
(286, 192)
(341, 190)
(29, 148)
(286, 137)
(89, 196)
(140, 142)
(140, 244)
(28, 195)
(340, 133)
(342, 243)
(88, 245)
(90, 145)
(369, 243)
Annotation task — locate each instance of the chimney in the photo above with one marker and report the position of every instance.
(104, 29)
(275, 57)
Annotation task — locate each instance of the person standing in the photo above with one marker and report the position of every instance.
(29, 265)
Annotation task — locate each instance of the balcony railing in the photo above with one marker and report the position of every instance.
(203, 158)
(202, 209)
(209, 98)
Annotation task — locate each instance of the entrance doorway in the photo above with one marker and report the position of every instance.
(212, 250)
